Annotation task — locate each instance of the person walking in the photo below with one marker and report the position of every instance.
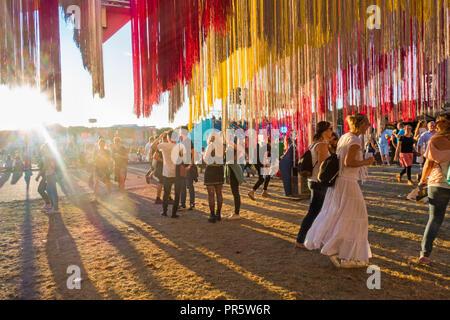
(422, 144)
(341, 228)
(319, 152)
(42, 187)
(120, 156)
(214, 178)
(436, 176)
(406, 150)
(383, 142)
(102, 167)
(50, 176)
(262, 179)
(169, 171)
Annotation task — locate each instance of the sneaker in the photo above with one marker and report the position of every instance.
(158, 201)
(52, 211)
(212, 219)
(218, 216)
(192, 207)
(265, 194)
(182, 207)
(234, 217)
(424, 260)
(410, 183)
(163, 214)
(174, 216)
(251, 195)
(46, 207)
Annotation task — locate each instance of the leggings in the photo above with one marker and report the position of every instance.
(42, 191)
(234, 184)
(406, 170)
(261, 180)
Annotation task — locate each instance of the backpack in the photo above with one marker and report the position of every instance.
(305, 165)
(329, 171)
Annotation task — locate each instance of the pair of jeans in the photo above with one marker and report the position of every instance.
(261, 180)
(234, 184)
(168, 183)
(318, 193)
(187, 183)
(52, 191)
(439, 198)
(41, 190)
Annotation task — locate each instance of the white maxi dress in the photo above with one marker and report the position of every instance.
(341, 228)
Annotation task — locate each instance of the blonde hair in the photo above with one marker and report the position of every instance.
(355, 122)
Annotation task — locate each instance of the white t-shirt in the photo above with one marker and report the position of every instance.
(170, 153)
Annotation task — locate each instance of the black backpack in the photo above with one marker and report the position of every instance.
(329, 171)
(305, 165)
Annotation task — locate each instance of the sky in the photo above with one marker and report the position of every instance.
(26, 107)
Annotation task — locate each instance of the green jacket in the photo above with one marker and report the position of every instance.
(237, 172)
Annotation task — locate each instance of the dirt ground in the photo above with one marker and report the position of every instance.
(126, 250)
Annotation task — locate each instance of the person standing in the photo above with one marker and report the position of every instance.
(102, 167)
(42, 187)
(420, 129)
(383, 141)
(234, 177)
(286, 164)
(120, 156)
(27, 171)
(406, 151)
(148, 149)
(191, 177)
(435, 175)
(319, 153)
(261, 177)
(50, 168)
(423, 141)
(341, 228)
(214, 178)
(169, 171)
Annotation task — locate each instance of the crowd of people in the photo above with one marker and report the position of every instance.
(337, 219)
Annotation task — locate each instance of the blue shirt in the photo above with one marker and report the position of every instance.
(383, 141)
(424, 139)
(400, 133)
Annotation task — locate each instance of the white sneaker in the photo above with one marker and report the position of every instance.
(234, 217)
(46, 207)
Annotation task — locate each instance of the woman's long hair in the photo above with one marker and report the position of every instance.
(321, 128)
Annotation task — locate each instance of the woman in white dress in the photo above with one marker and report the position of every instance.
(341, 228)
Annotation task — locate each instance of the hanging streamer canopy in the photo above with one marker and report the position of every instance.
(30, 46)
(167, 37)
(89, 38)
(296, 59)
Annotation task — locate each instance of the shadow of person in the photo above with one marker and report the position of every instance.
(62, 254)
(4, 178)
(16, 176)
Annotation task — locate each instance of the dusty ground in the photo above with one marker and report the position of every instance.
(125, 250)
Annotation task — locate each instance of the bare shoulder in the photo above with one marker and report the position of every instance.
(441, 142)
